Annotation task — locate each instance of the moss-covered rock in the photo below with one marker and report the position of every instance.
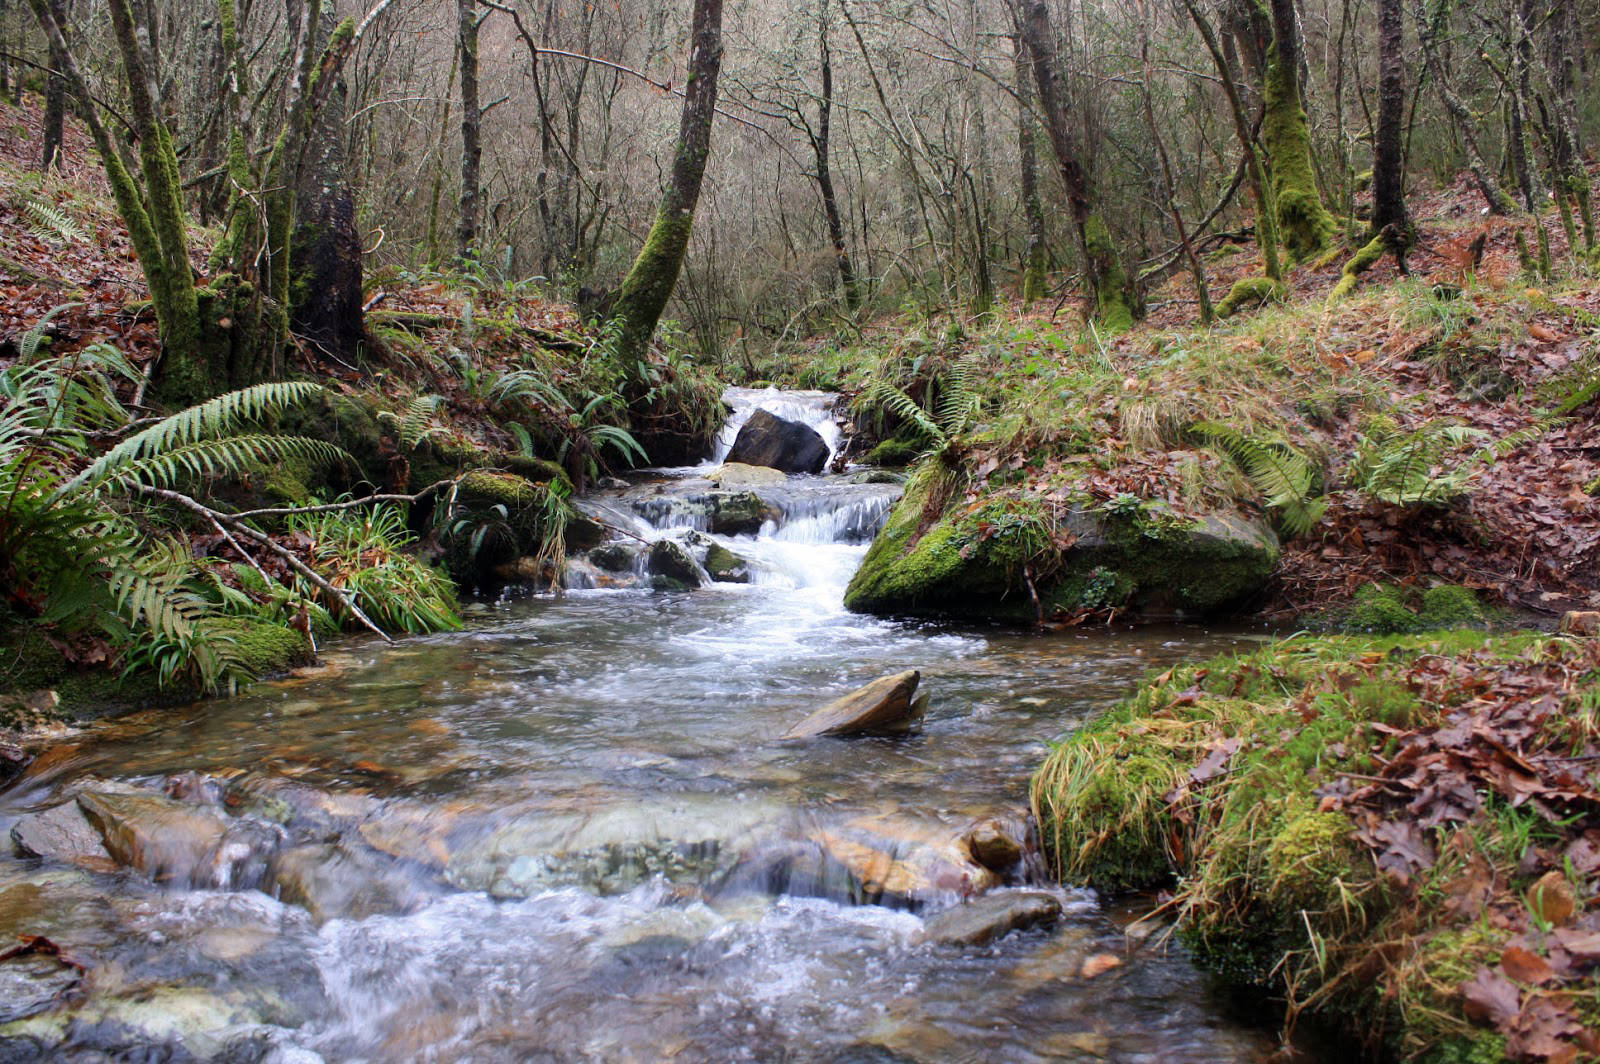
(895, 452)
(982, 561)
(725, 566)
(1249, 292)
(1386, 609)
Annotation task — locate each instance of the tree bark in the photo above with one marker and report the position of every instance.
(1303, 222)
(325, 249)
(821, 142)
(1112, 292)
(471, 125)
(55, 93)
(649, 283)
(1388, 152)
(1034, 258)
(1429, 26)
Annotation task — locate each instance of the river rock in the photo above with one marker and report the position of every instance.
(33, 982)
(885, 704)
(982, 920)
(62, 833)
(615, 557)
(769, 440)
(330, 880)
(673, 566)
(895, 862)
(996, 845)
(725, 566)
(739, 475)
(166, 840)
(1147, 560)
(735, 513)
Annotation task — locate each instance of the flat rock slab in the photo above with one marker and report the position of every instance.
(740, 475)
(985, 919)
(166, 840)
(62, 833)
(885, 704)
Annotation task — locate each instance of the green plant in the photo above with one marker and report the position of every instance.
(417, 423)
(52, 225)
(1430, 465)
(363, 554)
(954, 412)
(1282, 474)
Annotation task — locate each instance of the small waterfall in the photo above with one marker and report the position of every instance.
(809, 408)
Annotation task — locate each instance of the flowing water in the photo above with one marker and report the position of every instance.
(572, 833)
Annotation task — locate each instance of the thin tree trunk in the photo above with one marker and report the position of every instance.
(1388, 152)
(821, 144)
(1196, 270)
(1429, 26)
(1112, 293)
(649, 284)
(55, 93)
(471, 124)
(1034, 259)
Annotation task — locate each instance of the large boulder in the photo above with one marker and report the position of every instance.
(769, 440)
(885, 704)
(979, 561)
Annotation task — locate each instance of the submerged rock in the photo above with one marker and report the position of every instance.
(997, 845)
(332, 880)
(883, 705)
(769, 440)
(615, 557)
(740, 475)
(735, 513)
(978, 922)
(166, 840)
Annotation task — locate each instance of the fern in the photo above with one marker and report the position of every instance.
(1426, 466)
(52, 225)
(956, 409)
(1284, 476)
(417, 424)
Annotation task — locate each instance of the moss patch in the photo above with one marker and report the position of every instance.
(1385, 609)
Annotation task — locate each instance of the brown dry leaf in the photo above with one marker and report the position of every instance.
(1539, 332)
(1099, 964)
(1525, 966)
(1489, 997)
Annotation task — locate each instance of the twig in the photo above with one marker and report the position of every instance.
(348, 504)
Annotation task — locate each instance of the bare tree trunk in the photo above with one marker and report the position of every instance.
(1201, 291)
(649, 284)
(821, 141)
(1388, 152)
(1034, 259)
(471, 124)
(55, 93)
(1429, 26)
(1112, 292)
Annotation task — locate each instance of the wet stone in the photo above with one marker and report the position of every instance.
(62, 833)
(985, 919)
(672, 562)
(996, 845)
(166, 840)
(332, 881)
(885, 704)
(32, 983)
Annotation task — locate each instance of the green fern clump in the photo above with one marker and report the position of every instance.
(954, 412)
(363, 554)
(1430, 465)
(52, 225)
(1284, 476)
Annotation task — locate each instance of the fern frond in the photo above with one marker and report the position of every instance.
(907, 409)
(1284, 476)
(416, 425)
(34, 337)
(205, 458)
(52, 225)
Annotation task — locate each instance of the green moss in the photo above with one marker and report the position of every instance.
(1117, 304)
(725, 566)
(1309, 861)
(1304, 225)
(263, 648)
(1249, 292)
(896, 452)
(1385, 609)
(1380, 609)
(1359, 263)
(1450, 606)
(482, 489)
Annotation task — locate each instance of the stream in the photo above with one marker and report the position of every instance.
(571, 833)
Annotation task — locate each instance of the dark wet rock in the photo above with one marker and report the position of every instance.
(583, 533)
(877, 476)
(985, 919)
(769, 440)
(166, 840)
(671, 561)
(997, 845)
(62, 833)
(615, 557)
(331, 880)
(740, 475)
(725, 566)
(883, 705)
(736, 513)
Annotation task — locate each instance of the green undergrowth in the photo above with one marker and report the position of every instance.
(1221, 781)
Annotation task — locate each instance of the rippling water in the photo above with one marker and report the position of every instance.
(553, 837)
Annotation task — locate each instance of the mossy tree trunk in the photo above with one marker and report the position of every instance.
(471, 126)
(325, 246)
(1303, 222)
(1035, 259)
(649, 283)
(1113, 295)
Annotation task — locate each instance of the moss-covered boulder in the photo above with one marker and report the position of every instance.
(725, 566)
(1387, 609)
(1013, 558)
(895, 452)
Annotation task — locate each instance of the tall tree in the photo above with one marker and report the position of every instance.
(1388, 149)
(1112, 291)
(1303, 222)
(649, 283)
(821, 137)
(55, 93)
(471, 128)
(1034, 257)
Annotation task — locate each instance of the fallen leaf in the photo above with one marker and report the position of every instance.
(1099, 964)
(1489, 997)
(1525, 966)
